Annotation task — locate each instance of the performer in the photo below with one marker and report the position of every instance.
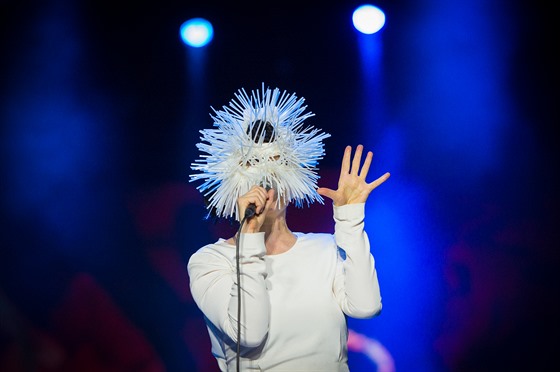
(274, 299)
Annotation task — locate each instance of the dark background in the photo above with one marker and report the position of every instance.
(101, 105)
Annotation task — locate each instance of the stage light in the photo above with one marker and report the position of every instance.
(368, 19)
(196, 32)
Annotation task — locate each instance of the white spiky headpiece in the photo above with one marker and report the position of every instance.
(238, 153)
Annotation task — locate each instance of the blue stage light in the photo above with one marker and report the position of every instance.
(196, 32)
(368, 19)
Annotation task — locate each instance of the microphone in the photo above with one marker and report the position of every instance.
(252, 208)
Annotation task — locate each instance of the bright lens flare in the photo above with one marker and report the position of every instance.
(368, 19)
(196, 32)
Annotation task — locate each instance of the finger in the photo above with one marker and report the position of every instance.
(345, 168)
(357, 159)
(265, 198)
(271, 193)
(366, 165)
(262, 197)
(259, 189)
(380, 180)
(256, 197)
(270, 200)
(248, 205)
(329, 193)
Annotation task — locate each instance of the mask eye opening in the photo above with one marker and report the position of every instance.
(261, 131)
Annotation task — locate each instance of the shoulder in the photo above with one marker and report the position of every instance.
(212, 253)
(316, 239)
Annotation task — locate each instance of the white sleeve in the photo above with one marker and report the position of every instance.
(213, 284)
(356, 286)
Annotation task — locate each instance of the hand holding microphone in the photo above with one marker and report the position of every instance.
(253, 206)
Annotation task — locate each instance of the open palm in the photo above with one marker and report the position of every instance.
(352, 185)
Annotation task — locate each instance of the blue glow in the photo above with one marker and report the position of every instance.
(368, 19)
(55, 137)
(196, 32)
(404, 239)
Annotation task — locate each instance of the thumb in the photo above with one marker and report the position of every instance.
(324, 191)
(270, 198)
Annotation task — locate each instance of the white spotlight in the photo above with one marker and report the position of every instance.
(196, 32)
(368, 19)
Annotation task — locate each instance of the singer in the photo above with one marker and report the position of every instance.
(275, 299)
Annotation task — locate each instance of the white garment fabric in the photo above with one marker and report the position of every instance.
(293, 304)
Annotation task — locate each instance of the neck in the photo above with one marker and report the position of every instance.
(277, 235)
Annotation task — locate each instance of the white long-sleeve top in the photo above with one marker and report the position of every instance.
(293, 304)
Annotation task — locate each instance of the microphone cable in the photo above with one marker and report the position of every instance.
(249, 212)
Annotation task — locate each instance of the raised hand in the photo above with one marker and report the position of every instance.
(352, 185)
